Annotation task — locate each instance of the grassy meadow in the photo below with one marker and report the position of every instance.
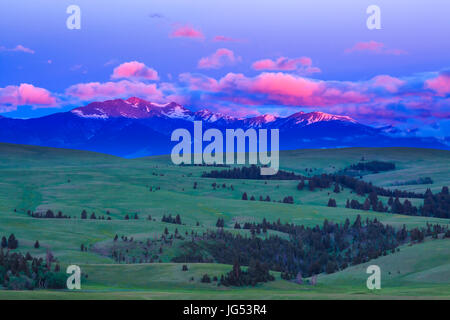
(37, 179)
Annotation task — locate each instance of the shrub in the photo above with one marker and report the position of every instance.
(206, 279)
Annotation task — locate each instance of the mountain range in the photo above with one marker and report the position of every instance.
(135, 127)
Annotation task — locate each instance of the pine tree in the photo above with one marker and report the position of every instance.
(48, 259)
(366, 205)
(13, 243)
(206, 279)
(390, 201)
(332, 203)
(4, 242)
(336, 188)
(49, 214)
(220, 223)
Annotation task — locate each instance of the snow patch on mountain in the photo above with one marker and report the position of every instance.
(209, 116)
(93, 115)
(317, 116)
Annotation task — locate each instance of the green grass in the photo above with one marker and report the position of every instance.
(37, 179)
(420, 271)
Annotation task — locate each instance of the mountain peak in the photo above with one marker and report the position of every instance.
(137, 101)
(210, 116)
(134, 108)
(317, 116)
(268, 117)
(261, 120)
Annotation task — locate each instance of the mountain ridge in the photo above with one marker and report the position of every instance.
(136, 126)
(136, 108)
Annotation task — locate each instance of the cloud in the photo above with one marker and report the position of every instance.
(440, 84)
(110, 62)
(275, 88)
(218, 59)
(225, 39)
(156, 15)
(79, 68)
(387, 82)
(26, 95)
(110, 90)
(134, 70)
(302, 65)
(293, 90)
(186, 31)
(18, 48)
(375, 48)
(382, 100)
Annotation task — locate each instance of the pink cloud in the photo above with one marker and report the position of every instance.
(218, 59)
(440, 84)
(26, 94)
(109, 90)
(284, 86)
(302, 65)
(389, 83)
(134, 70)
(374, 47)
(198, 82)
(186, 31)
(277, 88)
(18, 48)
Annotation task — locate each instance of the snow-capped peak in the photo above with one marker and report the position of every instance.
(261, 120)
(317, 116)
(209, 116)
(175, 111)
(134, 108)
(269, 118)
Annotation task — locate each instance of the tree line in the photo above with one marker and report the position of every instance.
(327, 248)
(252, 172)
(434, 205)
(24, 272)
(373, 166)
(322, 181)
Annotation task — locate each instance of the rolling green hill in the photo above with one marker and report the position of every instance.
(36, 179)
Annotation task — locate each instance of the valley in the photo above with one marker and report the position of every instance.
(38, 179)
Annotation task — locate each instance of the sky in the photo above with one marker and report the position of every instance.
(239, 57)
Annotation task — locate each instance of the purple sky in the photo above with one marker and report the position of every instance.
(240, 57)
